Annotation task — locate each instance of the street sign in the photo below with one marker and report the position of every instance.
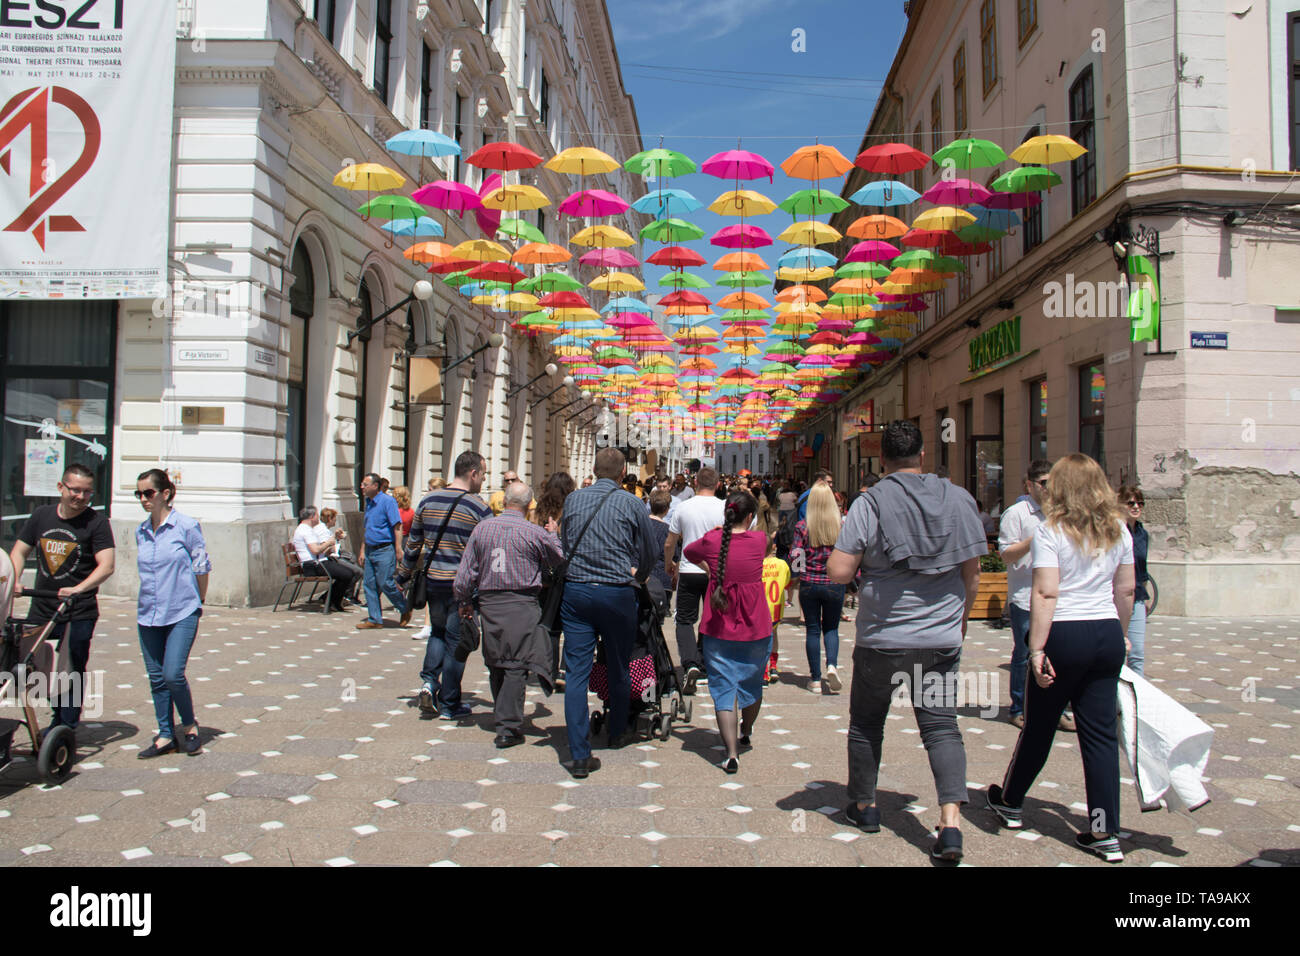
(1209, 340)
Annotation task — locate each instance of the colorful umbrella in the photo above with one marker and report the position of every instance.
(742, 236)
(955, 192)
(423, 226)
(812, 202)
(738, 164)
(1047, 149)
(876, 227)
(370, 177)
(448, 195)
(891, 159)
(541, 253)
(582, 161)
(514, 197)
(811, 233)
(667, 202)
(424, 143)
(504, 156)
(887, 192)
(1025, 179)
(602, 234)
(742, 202)
(594, 203)
(970, 154)
(671, 230)
(659, 162)
(816, 162)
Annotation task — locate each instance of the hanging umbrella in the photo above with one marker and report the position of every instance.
(370, 177)
(617, 282)
(609, 259)
(876, 227)
(427, 252)
(872, 250)
(1047, 149)
(667, 202)
(602, 234)
(943, 218)
(812, 202)
(423, 226)
(805, 256)
(742, 202)
(968, 154)
(742, 236)
(582, 161)
(742, 279)
(595, 203)
(519, 229)
(955, 192)
(659, 162)
(392, 207)
(541, 253)
(448, 195)
(680, 279)
(1025, 179)
(676, 257)
(497, 272)
(554, 282)
(811, 233)
(886, 192)
(803, 273)
(481, 250)
(504, 156)
(425, 143)
(743, 300)
(741, 262)
(671, 230)
(737, 164)
(891, 159)
(816, 162)
(1012, 201)
(515, 197)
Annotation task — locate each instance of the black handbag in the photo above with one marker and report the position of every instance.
(419, 595)
(555, 591)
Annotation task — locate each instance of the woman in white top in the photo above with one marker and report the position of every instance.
(1079, 611)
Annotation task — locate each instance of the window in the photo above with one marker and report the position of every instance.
(459, 136)
(426, 87)
(302, 304)
(1038, 419)
(1293, 21)
(1026, 19)
(383, 45)
(988, 45)
(968, 446)
(1031, 228)
(1083, 171)
(963, 285)
(936, 123)
(544, 100)
(959, 91)
(939, 432)
(325, 15)
(1092, 406)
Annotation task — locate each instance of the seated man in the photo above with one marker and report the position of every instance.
(315, 557)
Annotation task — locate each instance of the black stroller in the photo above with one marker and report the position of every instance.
(29, 664)
(656, 697)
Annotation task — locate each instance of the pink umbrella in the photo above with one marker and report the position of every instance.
(738, 164)
(863, 338)
(813, 361)
(609, 258)
(629, 320)
(593, 202)
(956, 192)
(1007, 201)
(743, 236)
(489, 220)
(873, 250)
(456, 197)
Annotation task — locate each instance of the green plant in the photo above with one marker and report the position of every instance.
(992, 562)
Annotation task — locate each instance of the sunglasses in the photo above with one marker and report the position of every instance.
(145, 495)
(1135, 503)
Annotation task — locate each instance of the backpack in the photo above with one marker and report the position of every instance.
(785, 533)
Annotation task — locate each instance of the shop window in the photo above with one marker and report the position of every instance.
(1083, 171)
(1038, 419)
(1092, 407)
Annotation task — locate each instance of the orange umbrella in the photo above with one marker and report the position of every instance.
(742, 261)
(541, 253)
(876, 227)
(743, 300)
(861, 286)
(816, 162)
(801, 293)
(427, 252)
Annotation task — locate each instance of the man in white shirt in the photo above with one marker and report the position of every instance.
(315, 556)
(680, 490)
(1015, 539)
(693, 519)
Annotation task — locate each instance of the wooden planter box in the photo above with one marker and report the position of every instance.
(991, 597)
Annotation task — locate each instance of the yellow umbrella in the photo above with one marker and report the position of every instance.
(582, 160)
(515, 197)
(369, 176)
(787, 273)
(603, 234)
(805, 306)
(481, 250)
(1045, 150)
(518, 302)
(742, 202)
(574, 312)
(617, 282)
(809, 233)
(948, 218)
(740, 348)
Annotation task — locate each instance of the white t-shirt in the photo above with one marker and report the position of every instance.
(303, 534)
(692, 520)
(685, 494)
(1086, 590)
(1019, 522)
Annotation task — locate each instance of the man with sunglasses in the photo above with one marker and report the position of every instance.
(1015, 538)
(75, 554)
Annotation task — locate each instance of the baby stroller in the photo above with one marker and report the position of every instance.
(27, 660)
(656, 696)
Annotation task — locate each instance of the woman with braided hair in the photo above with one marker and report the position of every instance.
(735, 626)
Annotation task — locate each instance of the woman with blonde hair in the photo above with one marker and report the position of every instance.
(821, 599)
(1082, 599)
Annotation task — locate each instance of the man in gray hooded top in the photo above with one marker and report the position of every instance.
(917, 539)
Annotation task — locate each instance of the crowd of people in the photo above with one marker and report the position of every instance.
(537, 582)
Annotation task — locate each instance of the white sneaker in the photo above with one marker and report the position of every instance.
(833, 680)
(423, 634)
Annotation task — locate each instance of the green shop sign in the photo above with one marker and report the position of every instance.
(998, 343)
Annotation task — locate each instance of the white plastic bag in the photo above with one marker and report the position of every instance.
(1166, 744)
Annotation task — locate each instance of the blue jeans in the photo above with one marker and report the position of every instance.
(67, 707)
(166, 650)
(441, 671)
(607, 611)
(1137, 637)
(1019, 657)
(822, 604)
(381, 563)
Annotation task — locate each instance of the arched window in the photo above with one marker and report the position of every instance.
(302, 305)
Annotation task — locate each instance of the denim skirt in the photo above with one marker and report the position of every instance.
(735, 671)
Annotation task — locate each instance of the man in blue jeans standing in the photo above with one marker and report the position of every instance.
(600, 598)
(379, 553)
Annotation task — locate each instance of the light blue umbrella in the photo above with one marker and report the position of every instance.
(423, 142)
(667, 202)
(424, 226)
(805, 254)
(625, 303)
(886, 192)
(1000, 219)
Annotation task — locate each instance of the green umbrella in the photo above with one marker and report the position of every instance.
(976, 232)
(393, 207)
(969, 154)
(812, 202)
(518, 229)
(671, 230)
(852, 299)
(777, 367)
(914, 259)
(1025, 179)
(946, 264)
(684, 280)
(660, 162)
(457, 279)
(862, 270)
(746, 279)
(551, 282)
(745, 316)
(864, 325)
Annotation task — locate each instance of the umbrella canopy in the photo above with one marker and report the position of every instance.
(741, 236)
(943, 217)
(1025, 179)
(370, 177)
(498, 272)
(876, 227)
(609, 259)
(541, 253)
(743, 300)
(955, 192)
(659, 162)
(582, 161)
(448, 195)
(738, 164)
(392, 207)
(427, 252)
(970, 154)
(683, 279)
(1048, 149)
(891, 159)
(602, 234)
(734, 280)
(816, 162)
(481, 250)
(617, 282)
(742, 202)
(676, 257)
(886, 192)
(423, 226)
(504, 156)
(667, 202)
(423, 143)
(519, 229)
(1012, 201)
(553, 282)
(594, 203)
(812, 202)
(741, 262)
(872, 250)
(811, 233)
(806, 256)
(515, 197)
(671, 230)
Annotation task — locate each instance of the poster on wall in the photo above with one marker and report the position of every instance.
(85, 147)
(43, 467)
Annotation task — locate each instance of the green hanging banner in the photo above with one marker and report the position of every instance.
(1143, 301)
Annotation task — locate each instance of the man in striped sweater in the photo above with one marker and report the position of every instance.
(455, 511)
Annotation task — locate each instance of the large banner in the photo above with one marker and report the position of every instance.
(85, 147)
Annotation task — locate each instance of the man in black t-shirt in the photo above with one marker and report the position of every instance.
(74, 556)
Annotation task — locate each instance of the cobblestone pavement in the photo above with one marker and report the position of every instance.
(315, 753)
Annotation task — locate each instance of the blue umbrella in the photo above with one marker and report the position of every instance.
(625, 303)
(1000, 219)
(423, 142)
(886, 192)
(667, 202)
(424, 226)
(688, 321)
(805, 254)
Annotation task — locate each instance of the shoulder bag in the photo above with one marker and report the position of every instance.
(419, 595)
(551, 610)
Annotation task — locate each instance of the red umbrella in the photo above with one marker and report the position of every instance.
(609, 258)
(457, 197)
(676, 257)
(593, 202)
(497, 272)
(448, 266)
(956, 192)
(738, 164)
(685, 297)
(742, 236)
(926, 238)
(891, 159)
(504, 156)
(563, 299)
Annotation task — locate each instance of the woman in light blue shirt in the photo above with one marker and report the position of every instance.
(174, 569)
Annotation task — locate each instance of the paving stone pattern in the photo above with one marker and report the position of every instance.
(316, 754)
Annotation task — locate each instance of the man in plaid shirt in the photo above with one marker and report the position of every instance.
(503, 563)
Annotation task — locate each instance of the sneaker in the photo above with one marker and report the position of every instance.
(868, 820)
(1105, 847)
(1010, 816)
(1018, 720)
(425, 700)
(464, 710)
(689, 680)
(1066, 723)
(773, 677)
(947, 844)
(816, 686)
(423, 634)
(833, 679)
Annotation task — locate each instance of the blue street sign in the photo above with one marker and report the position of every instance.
(1209, 340)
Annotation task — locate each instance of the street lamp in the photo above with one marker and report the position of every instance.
(493, 342)
(567, 381)
(583, 411)
(582, 396)
(422, 290)
(550, 369)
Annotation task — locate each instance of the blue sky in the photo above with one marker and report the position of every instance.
(704, 73)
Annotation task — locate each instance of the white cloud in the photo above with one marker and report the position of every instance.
(702, 20)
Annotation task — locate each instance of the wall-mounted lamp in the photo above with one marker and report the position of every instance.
(582, 396)
(423, 290)
(584, 411)
(551, 369)
(493, 342)
(568, 380)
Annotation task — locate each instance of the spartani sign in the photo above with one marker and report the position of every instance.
(85, 147)
(1000, 342)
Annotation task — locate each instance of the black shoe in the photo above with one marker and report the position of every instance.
(731, 765)
(506, 741)
(744, 741)
(1010, 816)
(868, 820)
(580, 768)
(621, 741)
(947, 844)
(153, 750)
(192, 745)
(689, 680)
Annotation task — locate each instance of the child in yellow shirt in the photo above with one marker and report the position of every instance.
(776, 577)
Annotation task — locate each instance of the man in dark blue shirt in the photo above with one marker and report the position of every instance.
(379, 553)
